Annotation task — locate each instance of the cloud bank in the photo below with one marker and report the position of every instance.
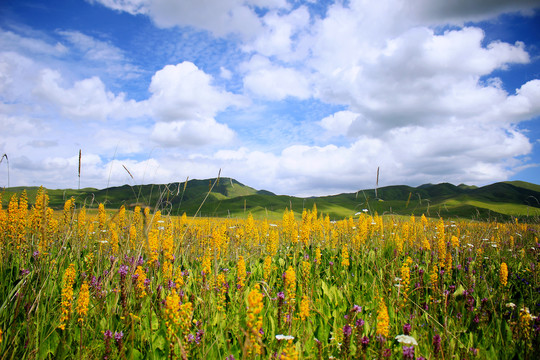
(414, 88)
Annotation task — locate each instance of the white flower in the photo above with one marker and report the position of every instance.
(284, 337)
(406, 339)
(511, 305)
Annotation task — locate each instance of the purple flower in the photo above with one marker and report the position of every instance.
(107, 336)
(473, 351)
(147, 282)
(199, 335)
(123, 271)
(347, 330)
(387, 353)
(171, 284)
(191, 338)
(365, 342)
(141, 261)
(25, 272)
(359, 323)
(35, 254)
(408, 353)
(357, 308)
(118, 336)
(436, 344)
(407, 329)
(281, 295)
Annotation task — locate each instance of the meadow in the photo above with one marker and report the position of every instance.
(139, 284)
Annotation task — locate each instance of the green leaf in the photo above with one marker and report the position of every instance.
(49, 345)
(459, 291)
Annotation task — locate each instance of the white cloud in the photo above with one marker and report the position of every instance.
(186, 134)
(133, 7)
(92, 48)
(225, 73)
(460, 11)
(338, 123)
(183, 92)
(221, 17)
(276, 38)
(274, 82)
(421, 103)
(29, 45)
(87, 99)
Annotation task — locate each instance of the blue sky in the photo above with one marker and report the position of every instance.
(296, 97)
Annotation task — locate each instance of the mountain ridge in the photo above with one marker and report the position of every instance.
(229, 197)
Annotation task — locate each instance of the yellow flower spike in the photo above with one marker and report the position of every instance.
(304, 308)
(241, 272)
(383, 320)
(83, 301)
(67, 295)
(503, 275)
(254, 320)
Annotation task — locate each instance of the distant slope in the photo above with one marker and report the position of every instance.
(231, 198)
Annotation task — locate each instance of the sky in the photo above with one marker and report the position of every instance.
(298, 97)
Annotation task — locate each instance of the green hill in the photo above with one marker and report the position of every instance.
(230, 198)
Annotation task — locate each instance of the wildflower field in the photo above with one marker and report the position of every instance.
(139, 284)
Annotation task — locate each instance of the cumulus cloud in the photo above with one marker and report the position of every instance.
(184, 92)
(86, 99)
(191, 133)
(274, 82)
(417, 92)
(221, 17)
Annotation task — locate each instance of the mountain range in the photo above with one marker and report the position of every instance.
(226, 197)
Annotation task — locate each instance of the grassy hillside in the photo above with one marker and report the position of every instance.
(231, 198)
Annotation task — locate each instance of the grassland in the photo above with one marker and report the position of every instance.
(137, 284)
(229, 198)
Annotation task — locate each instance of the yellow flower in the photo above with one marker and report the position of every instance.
(141, 278)
(241, 272)
(254, 320)
(290, 352)
(67, 295)
(503, 275)
(383, 320)
(83, 301)
(304, 308)
(267, 267)
(345, 257)
(290, 284)
(172, 312)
